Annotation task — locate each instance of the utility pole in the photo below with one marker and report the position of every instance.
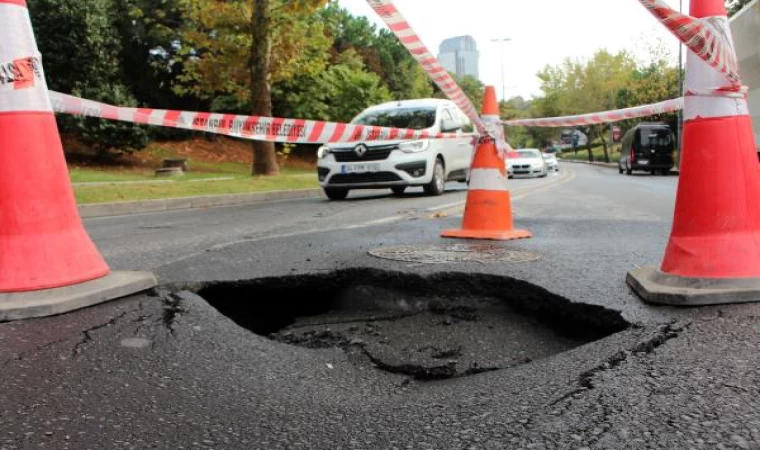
(503, 82)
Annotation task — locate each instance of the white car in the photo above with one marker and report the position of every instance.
(551, 162)
(527, 162)
(398, 164)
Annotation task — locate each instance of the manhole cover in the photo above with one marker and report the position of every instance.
(454, 253)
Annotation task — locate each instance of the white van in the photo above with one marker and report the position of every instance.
(399, 164)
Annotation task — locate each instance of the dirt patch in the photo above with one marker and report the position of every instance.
(215, 150)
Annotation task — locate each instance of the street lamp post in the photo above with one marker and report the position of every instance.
(503, 82)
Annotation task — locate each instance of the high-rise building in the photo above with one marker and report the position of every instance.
(460, 55)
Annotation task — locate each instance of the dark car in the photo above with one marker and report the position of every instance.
(649, 147)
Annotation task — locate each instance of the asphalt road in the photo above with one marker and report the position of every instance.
(603, 370)
(151, 241)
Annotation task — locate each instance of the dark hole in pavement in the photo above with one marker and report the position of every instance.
(435, 327)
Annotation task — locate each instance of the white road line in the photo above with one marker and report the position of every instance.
(375, 222)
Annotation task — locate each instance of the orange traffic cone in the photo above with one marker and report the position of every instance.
(713, 255)
(488, 211)
(43, 245)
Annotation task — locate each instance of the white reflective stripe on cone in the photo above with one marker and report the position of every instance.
(18, 53)
(700, 77)
(487, 179)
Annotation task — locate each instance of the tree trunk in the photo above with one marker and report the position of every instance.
(604, 144)
(589, 140)
(264, 156)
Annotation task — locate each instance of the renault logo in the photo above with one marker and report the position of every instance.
(360, 150)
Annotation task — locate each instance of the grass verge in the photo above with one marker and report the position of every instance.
(597, 150)
(289, 179)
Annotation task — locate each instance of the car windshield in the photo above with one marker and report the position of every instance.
(417, 118)
(529, 154)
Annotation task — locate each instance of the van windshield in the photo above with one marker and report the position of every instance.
(417, 118)
(658, 138)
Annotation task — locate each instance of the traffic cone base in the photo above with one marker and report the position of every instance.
(48, 302)
(488, 235)
(659, 288)
(488, 215)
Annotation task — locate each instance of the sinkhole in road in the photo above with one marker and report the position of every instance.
(431, 327)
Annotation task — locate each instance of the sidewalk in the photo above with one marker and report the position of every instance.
(604, 164)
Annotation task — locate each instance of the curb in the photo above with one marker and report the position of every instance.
(93, 210)
(595, 163)
(611, 165)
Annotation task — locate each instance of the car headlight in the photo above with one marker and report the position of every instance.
(414, 146)
(323, 151)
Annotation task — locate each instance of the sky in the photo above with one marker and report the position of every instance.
(542, 32)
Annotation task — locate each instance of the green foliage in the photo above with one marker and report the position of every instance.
(473, 88)
(734, 6)
(81, 47)
(380, 51)
(349, 88)
(606, 81)
(517, 108)
(216, 46)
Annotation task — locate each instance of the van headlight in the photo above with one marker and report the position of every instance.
(323, 151)
(414, 146)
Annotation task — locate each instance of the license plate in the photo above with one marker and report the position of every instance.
(360, 168)
(643, 162)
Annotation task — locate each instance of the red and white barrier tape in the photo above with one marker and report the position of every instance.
(708, 38)
(601, 117)
(270, 129)
(404, 32)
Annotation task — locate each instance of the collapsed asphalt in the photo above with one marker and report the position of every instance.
(448, 326)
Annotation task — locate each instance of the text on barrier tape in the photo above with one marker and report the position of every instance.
(270, 129)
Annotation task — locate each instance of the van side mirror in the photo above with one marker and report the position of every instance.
(450, 125)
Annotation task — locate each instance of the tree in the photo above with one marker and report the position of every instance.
(337, 94)
(350, 88)
(399, 70)
(577, 87)
(381, 52)
(236, 50)
(517, 108)
(472, 87)
(81, 48)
